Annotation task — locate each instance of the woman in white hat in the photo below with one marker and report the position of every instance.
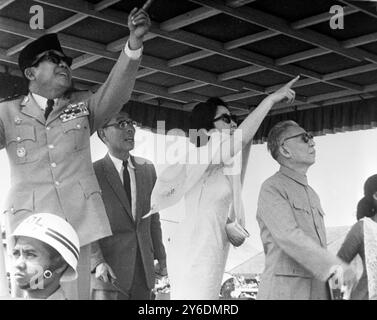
(46, 251)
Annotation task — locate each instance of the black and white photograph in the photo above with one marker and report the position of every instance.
(204, 152)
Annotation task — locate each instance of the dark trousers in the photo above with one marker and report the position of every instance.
(139, 289)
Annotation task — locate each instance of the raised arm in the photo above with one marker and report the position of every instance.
(252, 122)
(249, 126)
(116, 91)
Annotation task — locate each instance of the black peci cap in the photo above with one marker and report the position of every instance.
(31, 51)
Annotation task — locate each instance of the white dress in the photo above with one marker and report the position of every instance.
(200, 247)
(196, 263)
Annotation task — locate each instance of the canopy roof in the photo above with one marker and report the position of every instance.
(239, 50)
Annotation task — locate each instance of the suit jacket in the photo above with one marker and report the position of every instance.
(50, 161)
(129, 234)
(293, 233)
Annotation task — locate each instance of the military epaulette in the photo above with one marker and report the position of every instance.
(10, 98)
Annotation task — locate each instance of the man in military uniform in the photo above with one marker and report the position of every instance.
(46, 135)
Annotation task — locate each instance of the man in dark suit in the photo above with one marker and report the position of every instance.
(123, 264)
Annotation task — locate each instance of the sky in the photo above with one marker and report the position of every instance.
(343, 162)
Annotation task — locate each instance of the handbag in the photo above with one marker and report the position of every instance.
(235, 227)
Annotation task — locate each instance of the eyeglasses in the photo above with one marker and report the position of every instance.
(54, 58)
(122, 125)
(227, 118)
(306, 137)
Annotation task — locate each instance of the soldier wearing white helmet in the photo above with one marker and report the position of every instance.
(46, 251)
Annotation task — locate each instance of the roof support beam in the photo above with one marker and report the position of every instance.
(83, 60)
(149, 62)
(175, 101)
(323, 17)
(146, 97)
(169, 25)
(291, 58)
(187, 72)
(303, 55)
(280, 25)
(186, 86)
(144, 72)
(238, 3)
(354, 4)
(351, 71)
(190, 57)
(308, 81)
(188, 18)
(141, 87)
(270, 33)
(77, 17)
(5, 3)
(250, 39)
(360, 41)
(201, 42)
(104, 4)
(260, 36)
(240, 72)
(330, 102)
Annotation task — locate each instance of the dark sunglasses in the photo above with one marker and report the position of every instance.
(54, 58)
(122, 125)
(306, 137)
(227, 118)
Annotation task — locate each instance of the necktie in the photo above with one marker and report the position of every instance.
(50, 104)
(126, 181)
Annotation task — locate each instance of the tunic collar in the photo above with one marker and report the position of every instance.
(298, 177)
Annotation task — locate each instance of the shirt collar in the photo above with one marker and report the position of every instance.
(41, 101)
(57, 295)
(118, 163)
(294, 175)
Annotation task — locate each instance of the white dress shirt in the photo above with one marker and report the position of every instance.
(41, 101)
(131, 170)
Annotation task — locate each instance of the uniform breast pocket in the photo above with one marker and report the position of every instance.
(318, 208)
(300, 207)
(302, 213)
(22, 144)
(77, 133)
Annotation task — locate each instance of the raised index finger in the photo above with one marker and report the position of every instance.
(147, 4)
(292, 82)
